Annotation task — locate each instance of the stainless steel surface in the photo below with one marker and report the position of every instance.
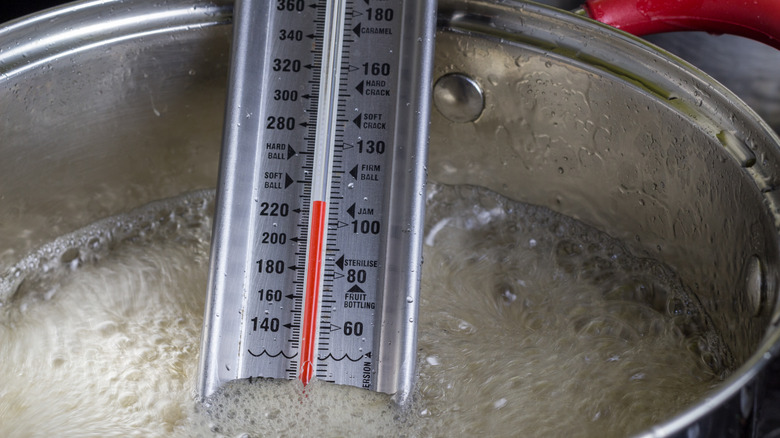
(135, 106)
(747, 68)
(405, 209)
(235, 225)
(375, 125)
(608, 134)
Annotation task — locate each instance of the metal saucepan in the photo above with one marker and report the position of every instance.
(128, 97)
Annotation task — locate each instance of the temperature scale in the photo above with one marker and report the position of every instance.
(316, 252)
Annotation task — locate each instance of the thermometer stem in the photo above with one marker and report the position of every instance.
(318, 226)
(327, 114)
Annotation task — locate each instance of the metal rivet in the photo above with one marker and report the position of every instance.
(458, 98)
(755, 287)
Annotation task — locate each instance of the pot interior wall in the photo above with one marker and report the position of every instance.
(562, 134)
(142, 117)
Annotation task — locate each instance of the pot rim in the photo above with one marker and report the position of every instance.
(35, 40)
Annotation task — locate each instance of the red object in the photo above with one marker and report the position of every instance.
(755, 19)
(319, 212)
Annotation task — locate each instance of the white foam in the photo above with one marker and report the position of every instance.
(530, 325)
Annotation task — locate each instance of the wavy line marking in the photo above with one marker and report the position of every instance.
(265, 352)
(329, 356)
(346, 356)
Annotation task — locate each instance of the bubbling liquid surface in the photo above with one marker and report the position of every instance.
(531, 324)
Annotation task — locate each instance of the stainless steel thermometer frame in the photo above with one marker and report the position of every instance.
(296, 89)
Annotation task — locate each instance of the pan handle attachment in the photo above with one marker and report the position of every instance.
(755, 19)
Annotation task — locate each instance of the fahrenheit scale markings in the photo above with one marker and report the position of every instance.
(316, 249)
